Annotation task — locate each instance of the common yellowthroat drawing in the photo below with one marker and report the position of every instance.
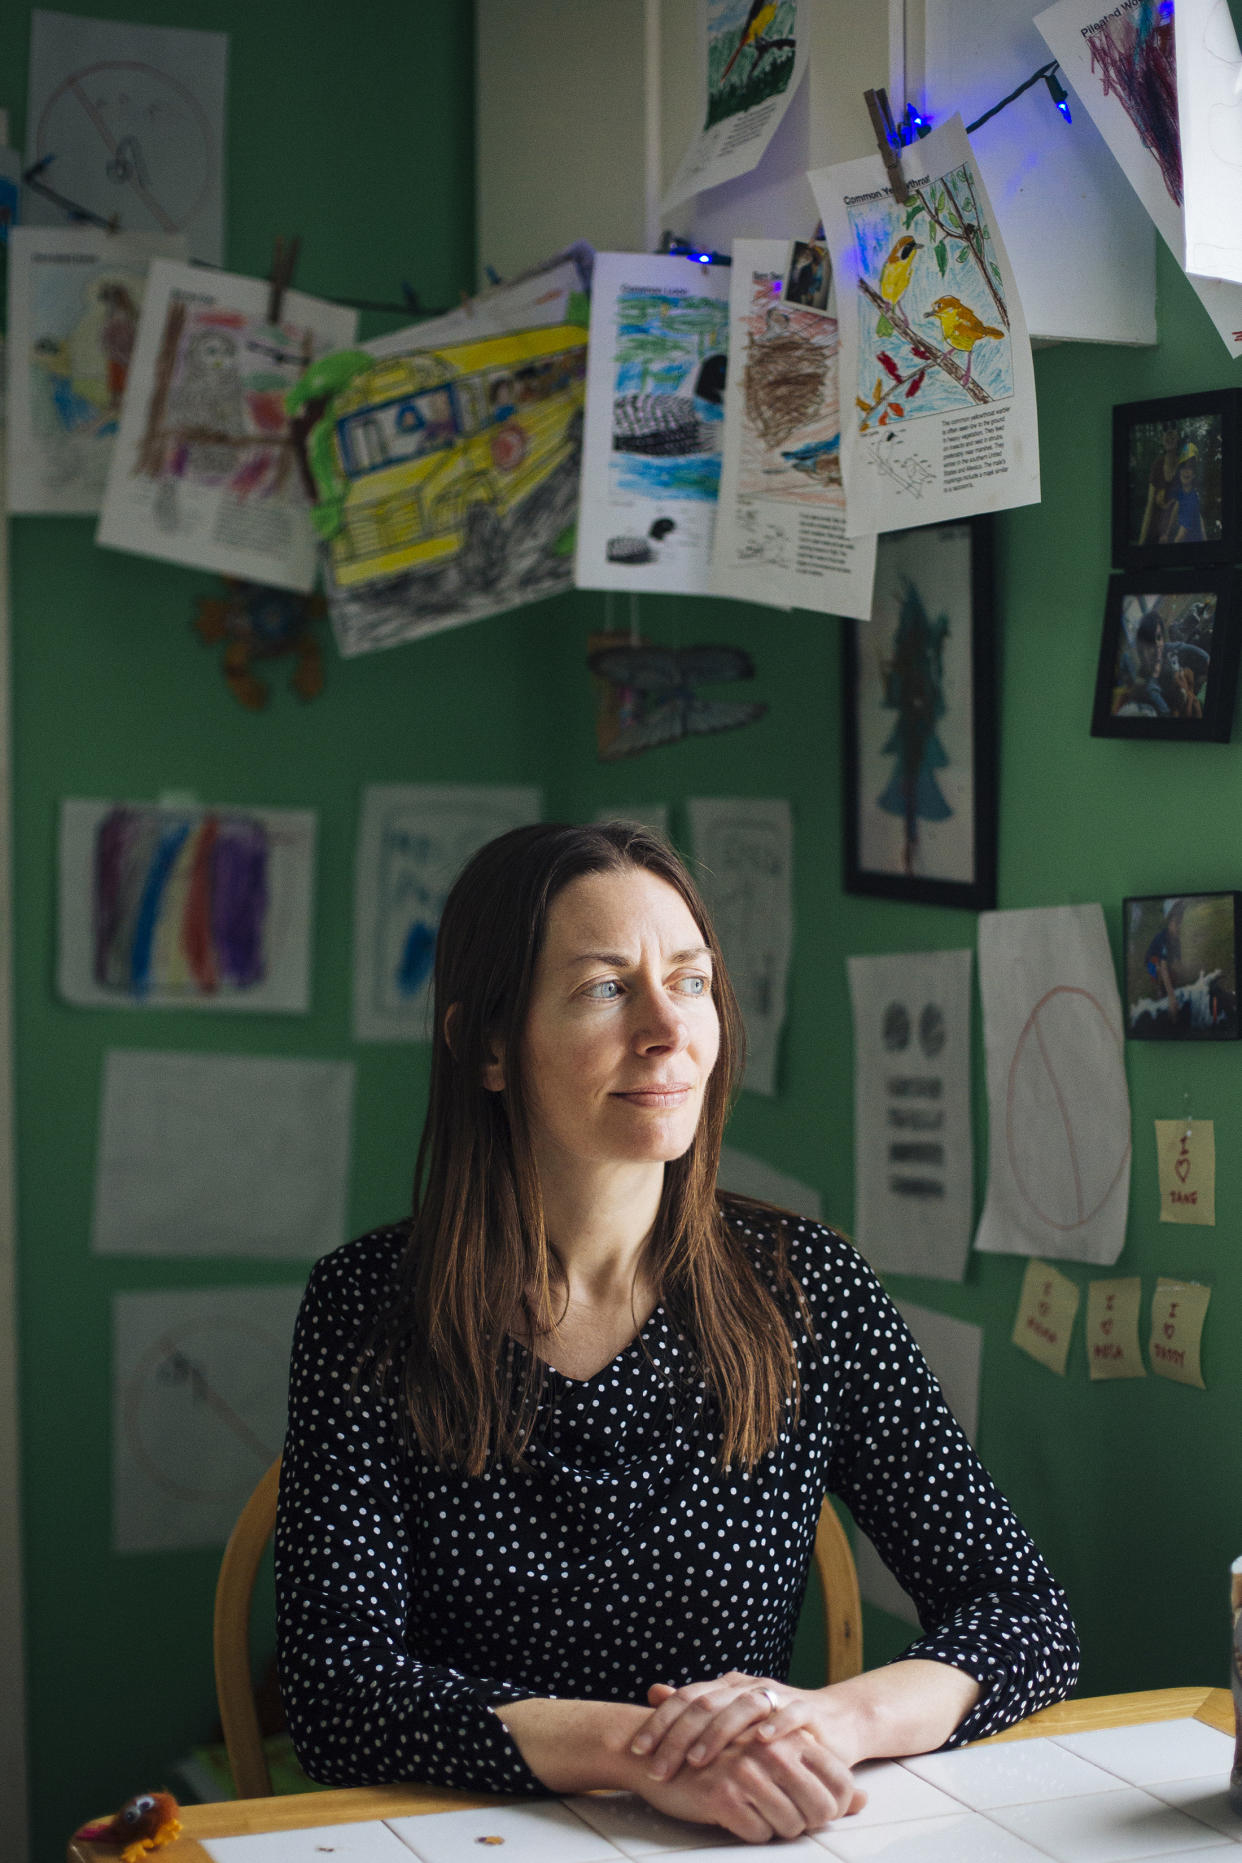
(961, 328)
(895, 276)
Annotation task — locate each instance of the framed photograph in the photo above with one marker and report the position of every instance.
(1182, 966)
(1169, 656)
(1176, 480)
(809, 276)
(919, 722)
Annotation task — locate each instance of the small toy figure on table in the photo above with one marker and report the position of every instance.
(146, 1822)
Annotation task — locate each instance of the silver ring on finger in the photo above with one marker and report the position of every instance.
(769, 1695)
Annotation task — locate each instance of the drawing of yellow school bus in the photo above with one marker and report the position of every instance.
(421, 460)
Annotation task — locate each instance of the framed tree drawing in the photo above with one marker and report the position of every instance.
(919, 722)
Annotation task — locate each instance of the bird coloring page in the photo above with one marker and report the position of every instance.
(756, 53)
(780, 525)
(654, 423)
(935, 360)
(205, 469)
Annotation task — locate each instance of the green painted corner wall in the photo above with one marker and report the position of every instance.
(362, 142)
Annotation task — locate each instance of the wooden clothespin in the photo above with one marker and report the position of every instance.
(888, 142)
(284, 261)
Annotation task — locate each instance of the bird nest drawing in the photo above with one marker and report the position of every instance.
(933, 324)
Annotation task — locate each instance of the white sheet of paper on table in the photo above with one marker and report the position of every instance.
(936, 379)
(219, 1154)
(734, 145)
(654, 423)
(1065, 27)
(743, 853)
(413, 841)
(913, 1158)
(1071, 1793)
(1058, 1104)
(144, 140)
(198, 1409)
(954, 1350)
(781, 534)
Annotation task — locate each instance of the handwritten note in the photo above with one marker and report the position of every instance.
(1046, 1313)
(1186, 1160)
(1178, 1310)
(1112, 1328)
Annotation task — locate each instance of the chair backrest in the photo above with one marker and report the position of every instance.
(838, 1581)
(234, 1591)
(834, 1561)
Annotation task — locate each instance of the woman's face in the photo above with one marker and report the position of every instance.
(622, 1032)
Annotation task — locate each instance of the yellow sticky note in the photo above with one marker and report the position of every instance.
(1112, 1328)
(1186, 1157)
(1178, 1310)
(1046, 1314)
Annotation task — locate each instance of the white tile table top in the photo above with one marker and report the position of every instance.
(1016, 1773)
(894, 1794)
(1204, 1799)
(966, 1837)
(1155, 1751)
(368, 1841)
(1108, 1827)
(531, 1831)
(638, 1829)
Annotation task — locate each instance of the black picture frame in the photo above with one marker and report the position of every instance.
(923, 831)
(1149, 438)
(1134, 682)
(1180, 966)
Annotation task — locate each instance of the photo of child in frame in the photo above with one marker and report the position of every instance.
(809, 276)
(1175, 481)
(1181, 967)
(1163, 656)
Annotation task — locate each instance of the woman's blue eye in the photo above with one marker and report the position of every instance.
(694, 986)
(607, 990)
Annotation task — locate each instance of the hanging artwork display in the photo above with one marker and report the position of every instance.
(1181, 966)
(185, 908)
(913, 1159)
(654, 423)
(919, 723)
(650, 695)
(444, 461)
(1058, 1105)
(1209, 115)
(756, 55)
(75, 294)
(413, 841)
(205, 467)
(935, 361)
(780, 534)
(1121, 62)
(743, 853)
(255, 624)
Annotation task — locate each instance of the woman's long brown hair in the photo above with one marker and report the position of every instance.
(478, 1270)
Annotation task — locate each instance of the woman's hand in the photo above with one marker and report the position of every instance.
(693, 1725)
(757, 1791)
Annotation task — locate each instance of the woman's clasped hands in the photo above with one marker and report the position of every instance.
(761, 1758)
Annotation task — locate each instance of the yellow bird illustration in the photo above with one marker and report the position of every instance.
(760, 17)
(896, 273)
(960, 327)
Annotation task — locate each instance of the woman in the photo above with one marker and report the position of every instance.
(557, 1446)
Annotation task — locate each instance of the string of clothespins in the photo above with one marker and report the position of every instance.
(891, 138)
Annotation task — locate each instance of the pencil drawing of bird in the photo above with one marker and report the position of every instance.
(753, 33)
(895, 276)
(961, 328)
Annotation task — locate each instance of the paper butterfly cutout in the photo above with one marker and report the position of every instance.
(656, 700)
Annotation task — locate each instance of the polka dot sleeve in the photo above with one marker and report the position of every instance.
(362, 1709)
(986, 1600)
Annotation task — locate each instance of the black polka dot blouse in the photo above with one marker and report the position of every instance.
(411, 1600)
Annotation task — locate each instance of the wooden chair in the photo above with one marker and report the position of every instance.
(834, 1562)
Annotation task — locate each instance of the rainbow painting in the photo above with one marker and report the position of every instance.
(185, 907)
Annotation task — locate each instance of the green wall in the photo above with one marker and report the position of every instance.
(362, 141)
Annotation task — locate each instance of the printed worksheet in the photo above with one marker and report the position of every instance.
(756, 55)
(1209, 114)
(75, 296)
(935, 361)
(780, 533)
(1120, 61)
(743, 858)
(654, 423)
(205, 469)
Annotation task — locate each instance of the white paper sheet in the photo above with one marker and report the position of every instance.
(1095, 49)
(434, 536)
(954, 1350)
(913, 1159)
(780, 533)
(654, 422)
(413, 841)
(743, 851)
(1209, 111)
(221, 1154)
(198, 1410)
(756, 56)
(935, 361)
(752, 1177)
(204, 470)
(75, 294)
(185, 908)
(133, 117)
(1058, 1106)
